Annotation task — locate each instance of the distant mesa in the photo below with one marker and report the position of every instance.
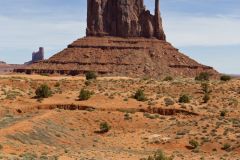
(122, 39)
(37, 56)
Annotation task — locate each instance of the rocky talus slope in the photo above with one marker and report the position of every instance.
(114, 56)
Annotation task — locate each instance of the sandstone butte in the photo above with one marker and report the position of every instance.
(122, 39)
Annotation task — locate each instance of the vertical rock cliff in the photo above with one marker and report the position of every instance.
(123, 18)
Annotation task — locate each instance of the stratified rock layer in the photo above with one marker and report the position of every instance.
(114, 56)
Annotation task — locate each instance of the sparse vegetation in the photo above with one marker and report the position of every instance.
(87, 83)
(225, 78)
(90, 75)
(43, 91)
(57, 84)
(140, 95)
(223, 113)
(226, 147)
(194, 144)
(213, 128)
(127, 116)
(168, 101)
(84, 95)
(168, 78)
(205, 88)
(104, 127)
(206, 98)
(206, 91)
(159, 155)
(204, 76)
(184, 99)
(29, 156)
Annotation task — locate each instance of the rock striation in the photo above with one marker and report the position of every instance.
(123, 39)
(116, 56)
(123, 18)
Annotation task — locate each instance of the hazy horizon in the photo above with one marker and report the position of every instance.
(207, 31)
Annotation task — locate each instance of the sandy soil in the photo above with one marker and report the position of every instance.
(62, 127)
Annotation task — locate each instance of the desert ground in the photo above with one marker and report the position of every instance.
(63, 127)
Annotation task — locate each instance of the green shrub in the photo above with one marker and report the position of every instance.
(159, 155)
(168, 101)
(194, 144)
(140, 96)
(127, 116)
(28, 156)
(205, 88)
(57, 84)
(206, 98)
(168, 78)
(223, 113)
(104, 127)
(225, 78)
(87, 83)
(84, 95)
(184, 99)
(226, 147)
(44, 74)
(91, 75)
(43, 91)
(204, 76)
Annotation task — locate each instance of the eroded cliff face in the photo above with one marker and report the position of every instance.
(123, 18)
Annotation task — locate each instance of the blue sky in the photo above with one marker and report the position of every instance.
(206, 30)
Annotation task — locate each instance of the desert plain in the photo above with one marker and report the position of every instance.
(63, 127)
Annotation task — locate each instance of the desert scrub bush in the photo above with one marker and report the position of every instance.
(168, 101)
(226, 147)
(90, 75)
(140, 95)
(151, 116)
(225, 78)
(44, 74)
(127, 116)
(87, 83)
(84, 95)
(205, 88)
(184, 98)
(104, 127)
(168, 78)
(233, 102)
(28, 156)
(43, 91)
(223, 113)
(11, 95)
(194, 144)
(57, 85)
(204, 76)
(159, 155)
(206, 98)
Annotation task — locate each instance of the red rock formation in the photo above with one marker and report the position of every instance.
(38, 56)
(123, 39)
(115, 56)
(123, 18)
